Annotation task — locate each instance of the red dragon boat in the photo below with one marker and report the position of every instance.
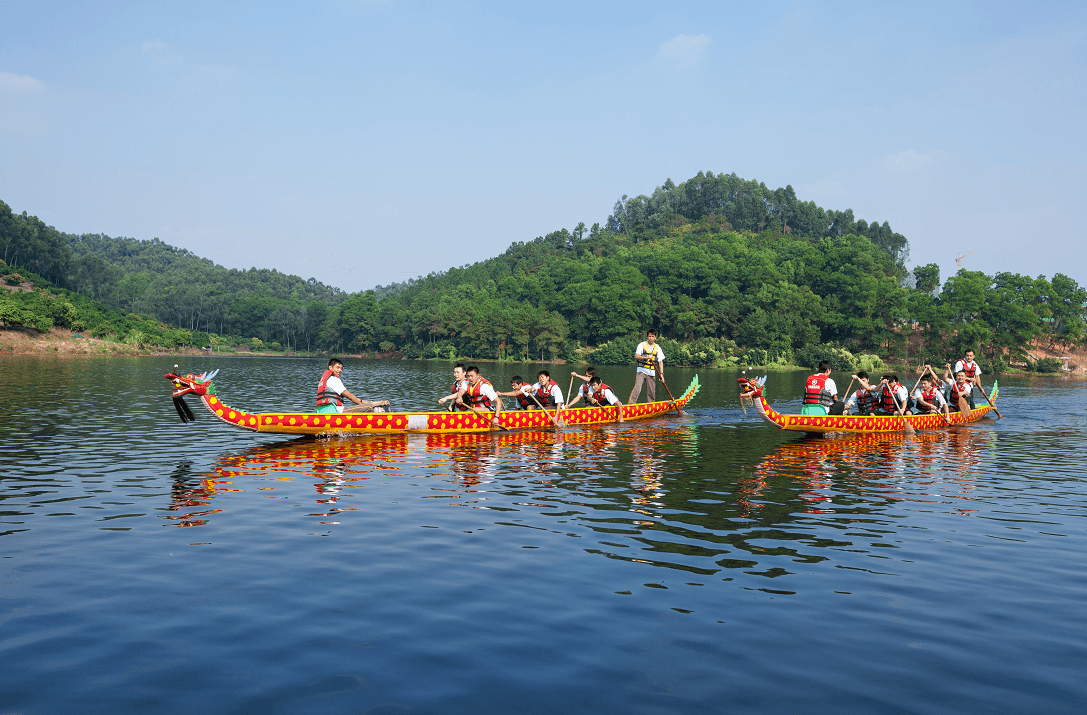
(441, 422)
(857, 424)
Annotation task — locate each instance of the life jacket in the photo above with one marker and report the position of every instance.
(598, 395)
(970, 368)
(324, 395)
(454, 389)
(866, 401)
(651, 363)
(930, 396)
(954, 393)
(887, 398)
(475, 393)
(546, 397)
(525, 401)
(815, 392)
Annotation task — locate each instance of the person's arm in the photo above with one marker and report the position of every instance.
(583, 378)
(556, 392)
(347, 393)
(660, 362)
(610, 398)
(575, 399)
(640, 357)
(850, 403)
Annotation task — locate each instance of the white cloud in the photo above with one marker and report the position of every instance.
(909, 160)
(20, 84)
(684, 49)
(156, 50)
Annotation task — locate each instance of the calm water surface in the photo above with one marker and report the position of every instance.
(694, 565)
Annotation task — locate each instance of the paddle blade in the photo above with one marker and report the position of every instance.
(183, 410)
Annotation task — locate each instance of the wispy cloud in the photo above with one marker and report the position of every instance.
(156, 50)
(22, 84)
(684, 49)
(909, 160)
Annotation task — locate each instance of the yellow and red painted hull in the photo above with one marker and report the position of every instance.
(865, 424)
(324, 423)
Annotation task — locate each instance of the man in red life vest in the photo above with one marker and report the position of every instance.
(893, 396)
(968, 366)
(520, 392)
(330, 391)
(864, 399)
(480, 396)
(454, 396)
(582, 391)
(958, 387)
(546, 391)
(599, 395)
(928, 397)
(820, 392)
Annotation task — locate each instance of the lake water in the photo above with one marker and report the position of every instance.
(700, 564)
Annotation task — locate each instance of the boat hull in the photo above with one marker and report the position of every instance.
(334, 423)
(866, 424)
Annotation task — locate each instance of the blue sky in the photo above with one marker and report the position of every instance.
(363, 143)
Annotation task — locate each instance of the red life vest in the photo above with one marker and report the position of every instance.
(475, 393)
(525, 401)
(866, 401)
(324, 395)
(955, 393)
(887, 398)
(930, 396)
(599, 396)
(815, 392)
(545, 396)
(970, 368)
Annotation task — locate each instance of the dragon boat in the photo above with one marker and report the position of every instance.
(439, 422)
(857, 424)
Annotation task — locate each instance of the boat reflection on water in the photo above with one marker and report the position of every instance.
(465, 461)
(867, 465)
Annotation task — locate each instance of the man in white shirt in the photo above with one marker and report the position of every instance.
(971, 368)
(480, 395)
(330, 391)
(650, 359)
(546, 391)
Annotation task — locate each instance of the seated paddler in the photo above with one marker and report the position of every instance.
(331, 392)
(863, 401)
(599, 395)
(519, 391)
(820, 392)
(481, 397)
(455, 398)
(928, 398)
(893, 396)
(956, 388)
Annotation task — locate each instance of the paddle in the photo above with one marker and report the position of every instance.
(851, 379)
(568, 398)
(900, 411)
(661, 376)
(982, 390)
(545, 411)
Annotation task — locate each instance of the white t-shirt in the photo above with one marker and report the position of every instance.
(960, 364)
(552, 389)
(334, 384)
(487, 390)
(644, 350)
(830, 387)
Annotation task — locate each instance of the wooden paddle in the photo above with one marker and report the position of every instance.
(909, 428)
(661, 376)
(982, 390)
(487, 415)
(545, 411)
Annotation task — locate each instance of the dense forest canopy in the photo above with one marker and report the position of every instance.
(727, 269)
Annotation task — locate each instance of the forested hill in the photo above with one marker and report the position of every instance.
(726, 269)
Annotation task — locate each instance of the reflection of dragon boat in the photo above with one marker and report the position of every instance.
(314, 423)
(859, 424)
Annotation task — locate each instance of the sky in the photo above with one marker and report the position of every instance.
(365, 142)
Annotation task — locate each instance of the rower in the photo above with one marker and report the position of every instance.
(582, 391)
(892, 393)
(957, 387)
(968, 366)
(600, 395)
(480, 395)
(820, 392)
(520, 392)
(928, 398)
(864, 399)
(545, 391)
(330, 391)
(456, 396)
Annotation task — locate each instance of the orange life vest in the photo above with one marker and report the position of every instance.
(475, 393)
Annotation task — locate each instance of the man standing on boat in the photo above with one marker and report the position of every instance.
(481, 397)
(820, 392)
(330, 391)
(971, 368)
(650, 359)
